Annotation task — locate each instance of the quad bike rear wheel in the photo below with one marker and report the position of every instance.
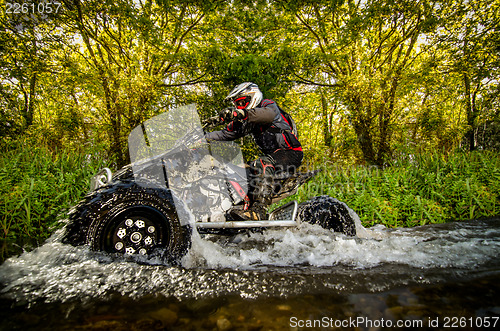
(329, 213)
(127, 218)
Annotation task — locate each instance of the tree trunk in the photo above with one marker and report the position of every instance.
(471, 114)
(29, 102)
(361, 122)
(326, 127)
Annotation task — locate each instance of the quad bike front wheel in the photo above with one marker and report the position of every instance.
(126, 218)
(329, 213)
(138, 228)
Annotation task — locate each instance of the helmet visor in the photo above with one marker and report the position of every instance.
(242, 102)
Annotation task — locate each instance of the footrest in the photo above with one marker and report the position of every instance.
(283, 216)
(285, 212)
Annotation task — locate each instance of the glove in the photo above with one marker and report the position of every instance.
(230, 114)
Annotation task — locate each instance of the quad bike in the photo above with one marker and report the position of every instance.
(177, 182)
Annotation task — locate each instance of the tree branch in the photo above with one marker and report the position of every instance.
(310, 82)
(189, 82)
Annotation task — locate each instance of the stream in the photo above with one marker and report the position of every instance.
(430, 277)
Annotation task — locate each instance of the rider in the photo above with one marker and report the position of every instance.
(275, 134)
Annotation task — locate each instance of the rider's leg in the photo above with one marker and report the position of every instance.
(262, 179)
(260, 184)
(265, 168)
(287, 161)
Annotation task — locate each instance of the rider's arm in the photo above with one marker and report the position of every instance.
(263, 115)
(239, 128)
(231, 132)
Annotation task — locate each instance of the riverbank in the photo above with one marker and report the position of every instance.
(416, 190)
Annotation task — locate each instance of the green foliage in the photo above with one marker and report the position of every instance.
(39, 186)
(391, 73)
(417, 190)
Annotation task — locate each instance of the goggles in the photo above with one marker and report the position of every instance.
(242, 102)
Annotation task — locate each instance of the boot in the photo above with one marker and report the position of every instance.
(262, 189)
(257, 212)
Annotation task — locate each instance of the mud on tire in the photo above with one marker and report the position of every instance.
(127, 218)
(329, 213)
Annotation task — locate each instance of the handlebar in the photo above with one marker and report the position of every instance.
(212, 121)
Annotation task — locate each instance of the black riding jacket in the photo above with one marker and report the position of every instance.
(266, 123)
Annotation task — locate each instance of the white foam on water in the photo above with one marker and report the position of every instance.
(312, 245)
(249, 264)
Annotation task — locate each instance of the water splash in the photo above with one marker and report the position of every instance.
(275, 262)
(459, 246)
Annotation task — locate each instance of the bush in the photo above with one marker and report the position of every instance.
(415, 190)
(39, 186)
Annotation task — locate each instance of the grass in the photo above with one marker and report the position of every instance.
(39, 186)
(415, 191)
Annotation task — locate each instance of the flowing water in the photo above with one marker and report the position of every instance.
(434, 276)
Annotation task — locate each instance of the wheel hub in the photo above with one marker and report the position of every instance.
(135, 235)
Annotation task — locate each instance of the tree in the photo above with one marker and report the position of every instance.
(362, 51)
(26, 44)
(134, 52)
(471, 41)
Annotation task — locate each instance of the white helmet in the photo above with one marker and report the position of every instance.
(245, 96)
